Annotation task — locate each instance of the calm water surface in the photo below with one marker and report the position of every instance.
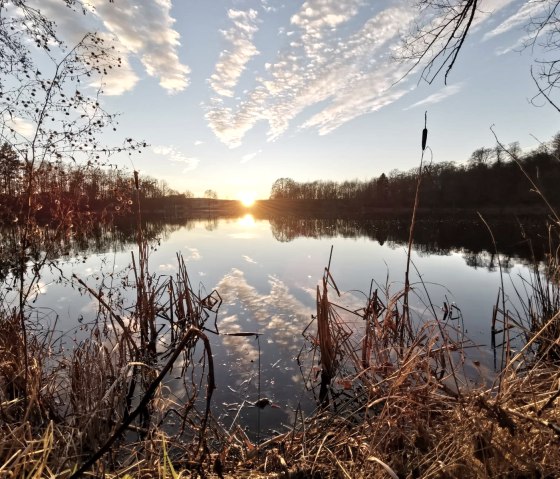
(267, 273)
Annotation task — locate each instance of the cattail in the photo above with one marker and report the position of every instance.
(136, 183)
(425, 131)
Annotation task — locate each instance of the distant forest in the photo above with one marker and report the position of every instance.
(492, 177)
(60, 187)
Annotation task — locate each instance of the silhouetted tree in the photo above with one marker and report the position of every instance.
(440, 31)
(211, 195)
(10, 170)
(486, 180)
(283, 188)
(480, 156)
(555, 146)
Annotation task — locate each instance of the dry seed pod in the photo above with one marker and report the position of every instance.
(425, 131)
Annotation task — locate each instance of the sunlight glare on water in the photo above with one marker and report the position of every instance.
(246, 221)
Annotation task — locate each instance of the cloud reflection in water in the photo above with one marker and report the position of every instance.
(278, 315)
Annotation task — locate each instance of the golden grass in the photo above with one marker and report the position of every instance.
(393, 399)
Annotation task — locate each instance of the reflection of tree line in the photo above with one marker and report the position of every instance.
(432, 236)
(97, 239)
(118, 234)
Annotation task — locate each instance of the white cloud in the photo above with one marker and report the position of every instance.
(194, 254)
(231, 126)
(317, 17)
(515, 46)
(167, 267)
(117, 80)
(249, 259)
(487, 10)
(250, 156)
(521, 18)
(265, 5)
(21, 126)
(347, 75)
(232, 62)
(72, 26)
(278, 314)
(146, 29)
(172, 154)
(356, 103)
(142, 29)
(445, 92)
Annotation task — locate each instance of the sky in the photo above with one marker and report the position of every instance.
(232, 95)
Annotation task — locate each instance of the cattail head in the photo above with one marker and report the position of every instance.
(425, 131)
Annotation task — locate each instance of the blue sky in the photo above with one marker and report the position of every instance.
(231, 95)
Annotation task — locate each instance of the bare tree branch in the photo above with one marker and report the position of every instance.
(439, 36)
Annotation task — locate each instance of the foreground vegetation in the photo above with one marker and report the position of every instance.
(131, 394)
(393, 398)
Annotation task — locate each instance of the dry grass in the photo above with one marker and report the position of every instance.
(105, 397)
(393, 399)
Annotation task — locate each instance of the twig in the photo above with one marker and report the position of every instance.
(148, 397)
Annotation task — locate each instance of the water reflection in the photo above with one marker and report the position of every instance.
(246, 221)
(515, 240)
(269, 288)
(519, 239)
(98, 238)
(277, 317)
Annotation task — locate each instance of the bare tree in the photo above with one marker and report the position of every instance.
(442, 27)
(481, 156)
(438, 36)
(49, 112)
(211, 195)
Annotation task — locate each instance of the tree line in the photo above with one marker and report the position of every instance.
(492, 177)
(93, 181)
(80, 187)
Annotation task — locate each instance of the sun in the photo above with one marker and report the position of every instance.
(247, 198)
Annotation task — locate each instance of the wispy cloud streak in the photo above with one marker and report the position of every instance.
(171, 153)
(521, 18)
(348, 75)
(445, 92)
(233, 61)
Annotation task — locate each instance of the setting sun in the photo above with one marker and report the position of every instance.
(247, 198)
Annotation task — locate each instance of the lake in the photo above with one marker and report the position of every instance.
(267, 271)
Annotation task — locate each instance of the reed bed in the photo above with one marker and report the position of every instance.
(393, 399)
(102, 403)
